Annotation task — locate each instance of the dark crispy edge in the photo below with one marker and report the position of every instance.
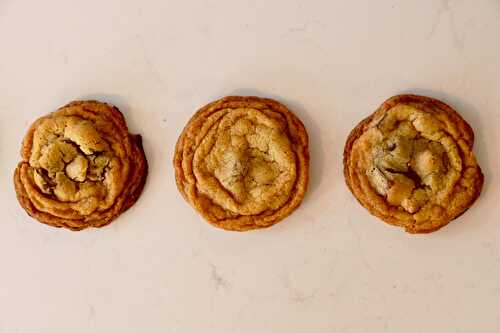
(463, 126)
(138, 159)
(179, 148)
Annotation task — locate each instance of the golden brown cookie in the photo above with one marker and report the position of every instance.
(243, 162)
(411, 163)
(80, 167)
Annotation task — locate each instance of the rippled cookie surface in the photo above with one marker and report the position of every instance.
(80, 167)
(411, 163)
(243, 162)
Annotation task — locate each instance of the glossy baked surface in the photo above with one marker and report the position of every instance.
(411, 163)
(243, 162)
(80, 167)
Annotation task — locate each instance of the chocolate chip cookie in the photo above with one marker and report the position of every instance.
(80, 167)
(243, 162)
(411, 163)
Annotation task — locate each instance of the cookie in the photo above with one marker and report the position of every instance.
(80, 167)
(243, 162)
(411, 163)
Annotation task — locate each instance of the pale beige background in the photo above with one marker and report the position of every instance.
(330, 267)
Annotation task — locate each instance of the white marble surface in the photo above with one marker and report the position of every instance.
(330, 267)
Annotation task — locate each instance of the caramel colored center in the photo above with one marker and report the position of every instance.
(69, 160)
(413, 162)
(245, 162)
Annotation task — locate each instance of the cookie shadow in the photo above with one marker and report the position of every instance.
(473, 116)
(316, 151)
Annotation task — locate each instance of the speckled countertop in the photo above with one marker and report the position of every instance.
(330, 267)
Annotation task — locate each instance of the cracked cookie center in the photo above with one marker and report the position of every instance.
(245, 172)
(408, 169)
(244, 159)
(251, 160)
(69, 159)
